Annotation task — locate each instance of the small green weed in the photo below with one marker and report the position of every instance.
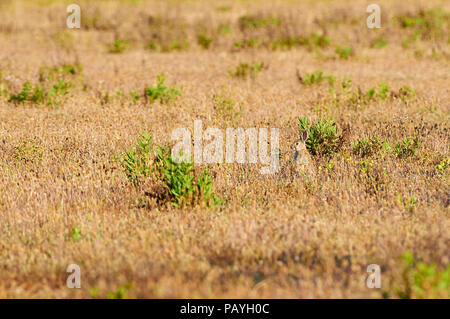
(75, 234)
(23, 95)
(119, 46)
(204, 41)
(138, 162)
(367, 146)
(184, 188)
(121, 291)
(421, 280)
(344, 52)
(58, 89)
(226, 108)
(147, 160)
(323, 138)
(162, 93)
(442, 167)
(407, 147)
(245, 69)
(318, 77)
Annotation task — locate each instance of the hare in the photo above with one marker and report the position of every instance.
(300, 163)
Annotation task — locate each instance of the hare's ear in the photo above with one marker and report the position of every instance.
(304, 135)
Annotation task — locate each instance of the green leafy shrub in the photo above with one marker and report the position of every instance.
(318, 77)
(442, 167)
(344, 52)
(204, 41)
(426, 24)
(162, 93)
(245, 69)
(119, 46)
(39, 95)
(147, 160)
(23, 95)
(407, 147)
(75, 234)
(323, 138)
(60, 71)
(320, 40)
(406, 93)
(183, 187)
(422, 280)
(383, 90)
(138, 162)
(367, 146)
(58, 89)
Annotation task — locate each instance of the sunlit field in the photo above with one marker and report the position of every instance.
(87, 117)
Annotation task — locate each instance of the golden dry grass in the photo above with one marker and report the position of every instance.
(304, 240)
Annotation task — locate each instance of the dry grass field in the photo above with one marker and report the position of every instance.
(74, 101)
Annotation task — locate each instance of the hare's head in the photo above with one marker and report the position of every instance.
(299, 145)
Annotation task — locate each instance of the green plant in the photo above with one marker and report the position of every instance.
(153, 46)
(161, 92)
(367, 146)
(322, 138)
(426, 24)
(226, 108)
(442, 167)
(121, 292)
(147, 160)
(320, 40)
(422, 280)
(38, 95)
(75, 234)
(137, 162)
(373, 177)
(383, 90)
(407, 147)
(318, 77)
(406, 93)
(119, 46)
(52, 73)
(371, 93)
(204, 41)
(244, 69)
(380, 43)
(344, 52)
(23, 95)
(56, 91)
(134, 96)
(179, 179)
(224, 29)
